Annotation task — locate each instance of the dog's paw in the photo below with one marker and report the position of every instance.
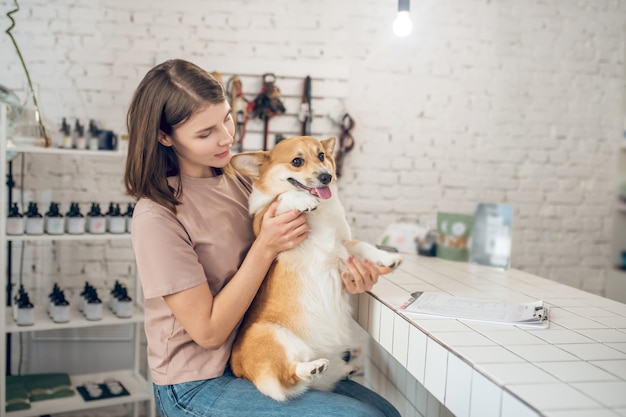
(309, 370)
(353, 370)
(389, 259)
(351, 354)
(298, 200)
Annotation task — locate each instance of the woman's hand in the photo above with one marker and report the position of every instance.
(362, 276)
(283, 231)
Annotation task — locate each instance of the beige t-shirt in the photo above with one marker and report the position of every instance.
(206, 241)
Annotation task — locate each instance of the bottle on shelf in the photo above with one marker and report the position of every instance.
(129, 216)
(34, 220)
(124, 305)
(74, 220)
(93, 141)
(66, 141)
(107, 216)
(80, 141)
(54, 294)
(116, 222)
(87, 288)
(93, 307)
(54, 221)
(16, 300)
(60, 310)
(90, 304)
(120, 303)
(25, 311)
(15, 221)
(95, 220)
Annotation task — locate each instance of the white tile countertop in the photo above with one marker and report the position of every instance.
(575, 367)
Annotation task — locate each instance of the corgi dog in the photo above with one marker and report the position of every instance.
(297, 333)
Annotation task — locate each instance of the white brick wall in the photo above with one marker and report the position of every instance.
(487, 101)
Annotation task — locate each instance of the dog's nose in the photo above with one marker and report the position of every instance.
(325, 178)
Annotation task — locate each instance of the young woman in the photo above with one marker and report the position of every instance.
(199, 262)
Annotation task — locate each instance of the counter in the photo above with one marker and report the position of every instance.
(576, 367)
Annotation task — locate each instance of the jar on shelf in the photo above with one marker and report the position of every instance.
(15, 221)
(34, 220)
(74, 220)
(54, 221)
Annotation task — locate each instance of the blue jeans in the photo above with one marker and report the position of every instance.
(229, 396)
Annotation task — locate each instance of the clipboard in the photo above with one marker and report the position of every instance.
(528, 314)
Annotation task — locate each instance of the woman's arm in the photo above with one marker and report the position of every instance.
(210, 320)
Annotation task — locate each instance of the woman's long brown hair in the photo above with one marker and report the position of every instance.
(169, 95)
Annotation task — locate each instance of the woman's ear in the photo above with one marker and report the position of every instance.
(164, 139)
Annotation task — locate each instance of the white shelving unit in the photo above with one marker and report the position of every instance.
(139, 387)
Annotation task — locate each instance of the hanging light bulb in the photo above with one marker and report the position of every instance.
(402, 26)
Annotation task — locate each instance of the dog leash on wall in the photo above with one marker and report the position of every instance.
(306, 113)
(346, 142)
(239, 108)
(266, 105)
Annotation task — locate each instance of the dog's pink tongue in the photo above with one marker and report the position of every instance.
(323, 192)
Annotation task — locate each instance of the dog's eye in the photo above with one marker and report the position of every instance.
(321, 156)
(297, 162)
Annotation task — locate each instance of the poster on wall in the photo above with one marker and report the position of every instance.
(491, 238)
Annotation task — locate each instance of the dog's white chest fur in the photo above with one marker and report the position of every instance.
(319, 261)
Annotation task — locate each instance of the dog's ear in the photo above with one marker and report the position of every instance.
(329, 144)
(249, 163)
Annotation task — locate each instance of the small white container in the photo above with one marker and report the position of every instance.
(117, 224)
(96, 224)
(75, 225)
(61, 312)
(93, 143)
(34, 225)
(25, 315)
(124, 308)
(55, 225)
(16, 225)
(15, 221)
(93, 310)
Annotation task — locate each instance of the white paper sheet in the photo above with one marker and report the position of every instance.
(489, 310)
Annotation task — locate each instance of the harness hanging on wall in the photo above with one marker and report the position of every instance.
(266, 105)
(346, 142)
(306, 113)
(239, 108)
(218, 77)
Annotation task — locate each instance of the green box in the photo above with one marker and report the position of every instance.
(454, 231)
